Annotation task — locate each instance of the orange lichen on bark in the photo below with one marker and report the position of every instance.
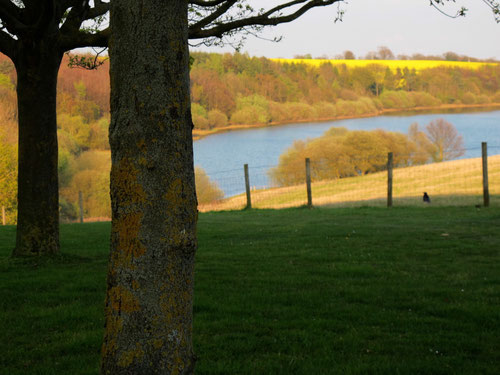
(174, 307)
(158, 343)
(127, 188)
(135, 285)
(126, 230)
(142, 144)
(114, 325)
(121, 299)
(128, 357)
(173, 194)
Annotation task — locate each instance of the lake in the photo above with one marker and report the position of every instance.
(223, 155)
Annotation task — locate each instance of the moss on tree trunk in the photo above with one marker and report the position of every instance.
(154, 210)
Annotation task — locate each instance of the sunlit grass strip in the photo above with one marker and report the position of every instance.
(457, 182)
(392, 64)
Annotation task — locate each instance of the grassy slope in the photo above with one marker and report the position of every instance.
(322, 291)
(457, 182)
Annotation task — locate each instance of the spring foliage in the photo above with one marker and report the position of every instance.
(250, 90)
(235, 89)
(341, 153)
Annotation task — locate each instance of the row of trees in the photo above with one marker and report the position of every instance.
(238, 89)
(385, 53)
(344, 153)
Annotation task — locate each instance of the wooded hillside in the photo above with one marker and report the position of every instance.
(238, 89)
(228, 89)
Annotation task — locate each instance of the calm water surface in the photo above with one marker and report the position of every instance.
(223, 155)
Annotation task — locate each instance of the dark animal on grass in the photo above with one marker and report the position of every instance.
(426, 198)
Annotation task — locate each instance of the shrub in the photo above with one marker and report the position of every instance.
(277, 112)
(298, 111)
(253, 109)
(482, 99)
(423, 99)
(342, 153)
(325, 110)
(468, 98)
(345, 108)
(365, 106)
(396, 99)
(206, 191)
(250, 115)
(200, 122)
(198, 110)
(216, 119)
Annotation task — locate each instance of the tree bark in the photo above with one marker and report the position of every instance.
(154, 209)
(37, 65)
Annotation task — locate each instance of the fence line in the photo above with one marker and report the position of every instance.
(457, 182)
(474, 182)
(486, 193)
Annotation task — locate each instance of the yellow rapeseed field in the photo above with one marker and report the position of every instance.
(392, 64)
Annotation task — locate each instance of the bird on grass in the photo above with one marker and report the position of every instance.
(426, 198)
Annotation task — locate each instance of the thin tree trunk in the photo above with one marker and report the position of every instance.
(38, 189)
(154, 210)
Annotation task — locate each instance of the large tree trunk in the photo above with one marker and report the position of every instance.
(38, 189)
(154, 210)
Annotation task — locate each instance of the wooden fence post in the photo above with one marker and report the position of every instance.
(80, 203)
(486, 192)
(4, 221)
(390, 160)
(247, 187)
(308, 182)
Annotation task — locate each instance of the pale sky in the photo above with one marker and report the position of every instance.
(405, 26)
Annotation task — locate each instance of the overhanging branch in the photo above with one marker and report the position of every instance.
(7, 44)
(11, 17)
(207, 3)
(271, 17)
(214, 15)
(81, 39)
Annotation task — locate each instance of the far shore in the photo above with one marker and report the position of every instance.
(198, 134)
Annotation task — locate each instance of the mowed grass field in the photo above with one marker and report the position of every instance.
(412, 290)
(392, 64)
(451, 183)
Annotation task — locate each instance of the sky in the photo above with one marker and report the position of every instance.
(405, 26)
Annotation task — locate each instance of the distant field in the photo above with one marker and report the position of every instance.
(457, 182)
(393, 64)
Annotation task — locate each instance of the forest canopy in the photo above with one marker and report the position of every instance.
(251, 90)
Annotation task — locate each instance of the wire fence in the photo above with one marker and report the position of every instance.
(448, 183)
(340, 182)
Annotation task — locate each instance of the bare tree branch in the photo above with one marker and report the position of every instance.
(7, 44)
(271, 17)
(75, 17)
(99, 9)
(10, 15)
(207, 3)
(214, 15)
(81, 39)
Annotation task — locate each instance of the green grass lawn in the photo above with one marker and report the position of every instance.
(295, 291)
